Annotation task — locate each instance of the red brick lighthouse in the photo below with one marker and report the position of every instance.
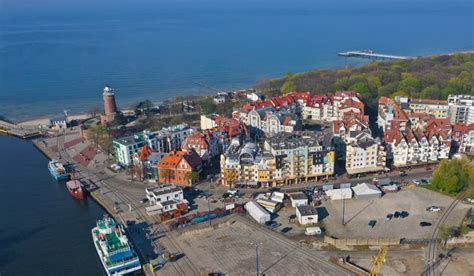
(110, 107)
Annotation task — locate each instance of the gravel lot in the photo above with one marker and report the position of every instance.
(413, 200)
(230, 249)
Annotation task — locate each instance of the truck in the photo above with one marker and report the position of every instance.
(257, 212)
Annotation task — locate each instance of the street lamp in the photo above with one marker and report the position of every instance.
(256, 257)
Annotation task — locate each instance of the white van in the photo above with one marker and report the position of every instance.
(313, 231)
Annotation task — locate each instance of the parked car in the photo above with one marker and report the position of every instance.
(404, 214)
(372, 223)
(403, 174)
(286, 229)
(144, 200)
(389, 217)
(425, 224)
(424, 181)
(417, 182)
(470, 199)
(396, 214)
(433, 209)
(275, 225)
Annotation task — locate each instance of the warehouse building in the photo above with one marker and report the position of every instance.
(366, 191)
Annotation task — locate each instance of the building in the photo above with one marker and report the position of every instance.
(366, 191)
(330, 108)
(391, 115)
(164, 198)
(219, 99)
(461, 109)
(298, 199)
(339, 194)
(301, 156)
(463, 137)
(162, 142)
(306, 215)
(178, 167)
(268, 121)
(110, 106)
(206, 144)
(232, 127)
(59, 123)
(364, 154)
(437, 108)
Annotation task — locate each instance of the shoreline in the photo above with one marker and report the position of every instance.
(128, 104)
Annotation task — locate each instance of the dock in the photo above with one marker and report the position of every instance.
(371, 55)
(19, 131)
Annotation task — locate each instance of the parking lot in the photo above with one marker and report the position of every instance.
(359, 212)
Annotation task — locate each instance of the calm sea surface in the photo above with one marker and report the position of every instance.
(43, 230)
(58, 54)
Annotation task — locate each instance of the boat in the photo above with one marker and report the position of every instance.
(57, 170)
(114, 249)
(75, 188)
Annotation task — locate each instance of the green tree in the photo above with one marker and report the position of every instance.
(287, 87)
(362, 88)
(452, 176)
(207, 106)
(191, 177)
(165, 174)
(410, 85)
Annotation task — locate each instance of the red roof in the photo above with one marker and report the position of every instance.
(172, 159)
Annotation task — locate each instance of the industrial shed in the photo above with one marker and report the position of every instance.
(339, 194)
(366, 191)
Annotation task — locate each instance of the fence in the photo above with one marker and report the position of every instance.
(360, 241)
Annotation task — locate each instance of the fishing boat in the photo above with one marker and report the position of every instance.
(75, 189)
(57, 170)
(114, 249)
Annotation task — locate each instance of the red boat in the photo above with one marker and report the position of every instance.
(75, 189)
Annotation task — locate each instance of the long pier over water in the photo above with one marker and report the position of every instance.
(370, 54)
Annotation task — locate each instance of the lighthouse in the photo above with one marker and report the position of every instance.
(110, 107)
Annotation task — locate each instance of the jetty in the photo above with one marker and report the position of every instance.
(19, 131)
(370, 55)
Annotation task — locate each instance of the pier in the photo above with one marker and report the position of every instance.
(19, 131)
(370, 55)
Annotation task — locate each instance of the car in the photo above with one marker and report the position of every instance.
(425, 224)
(225, 195)
(389, 217)
(404, 214)
(424, 181)
(470, 199)
(144, 200)
(396, 214)
(372, 223)
(433, 209)
(286, 229)
(275, 225)
(417, 182)
(403, 174)
(270, 222)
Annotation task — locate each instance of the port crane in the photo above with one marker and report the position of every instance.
(378, 261)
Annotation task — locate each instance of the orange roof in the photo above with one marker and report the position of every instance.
(173, 158)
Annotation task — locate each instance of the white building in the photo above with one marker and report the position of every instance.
(339, 194)
(268, 121)
(364, 154)
(366, 191)
(164, 198)
(306, 215)
(162, 141)
(298, 199)
(461, 109)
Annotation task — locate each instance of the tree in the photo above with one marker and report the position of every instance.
(94, 111)
(230, 177)
(362, 88)
(287, 87)
(452, 176)
(166, 174)
(207, 106)
(97, 135)
(191, 177)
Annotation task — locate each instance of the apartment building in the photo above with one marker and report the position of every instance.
(162, 141)
(176, 166)
(364, 154)
(286, 158)
(461, 109)
(436, 108)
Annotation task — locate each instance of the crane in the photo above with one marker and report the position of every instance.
(378, 261)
